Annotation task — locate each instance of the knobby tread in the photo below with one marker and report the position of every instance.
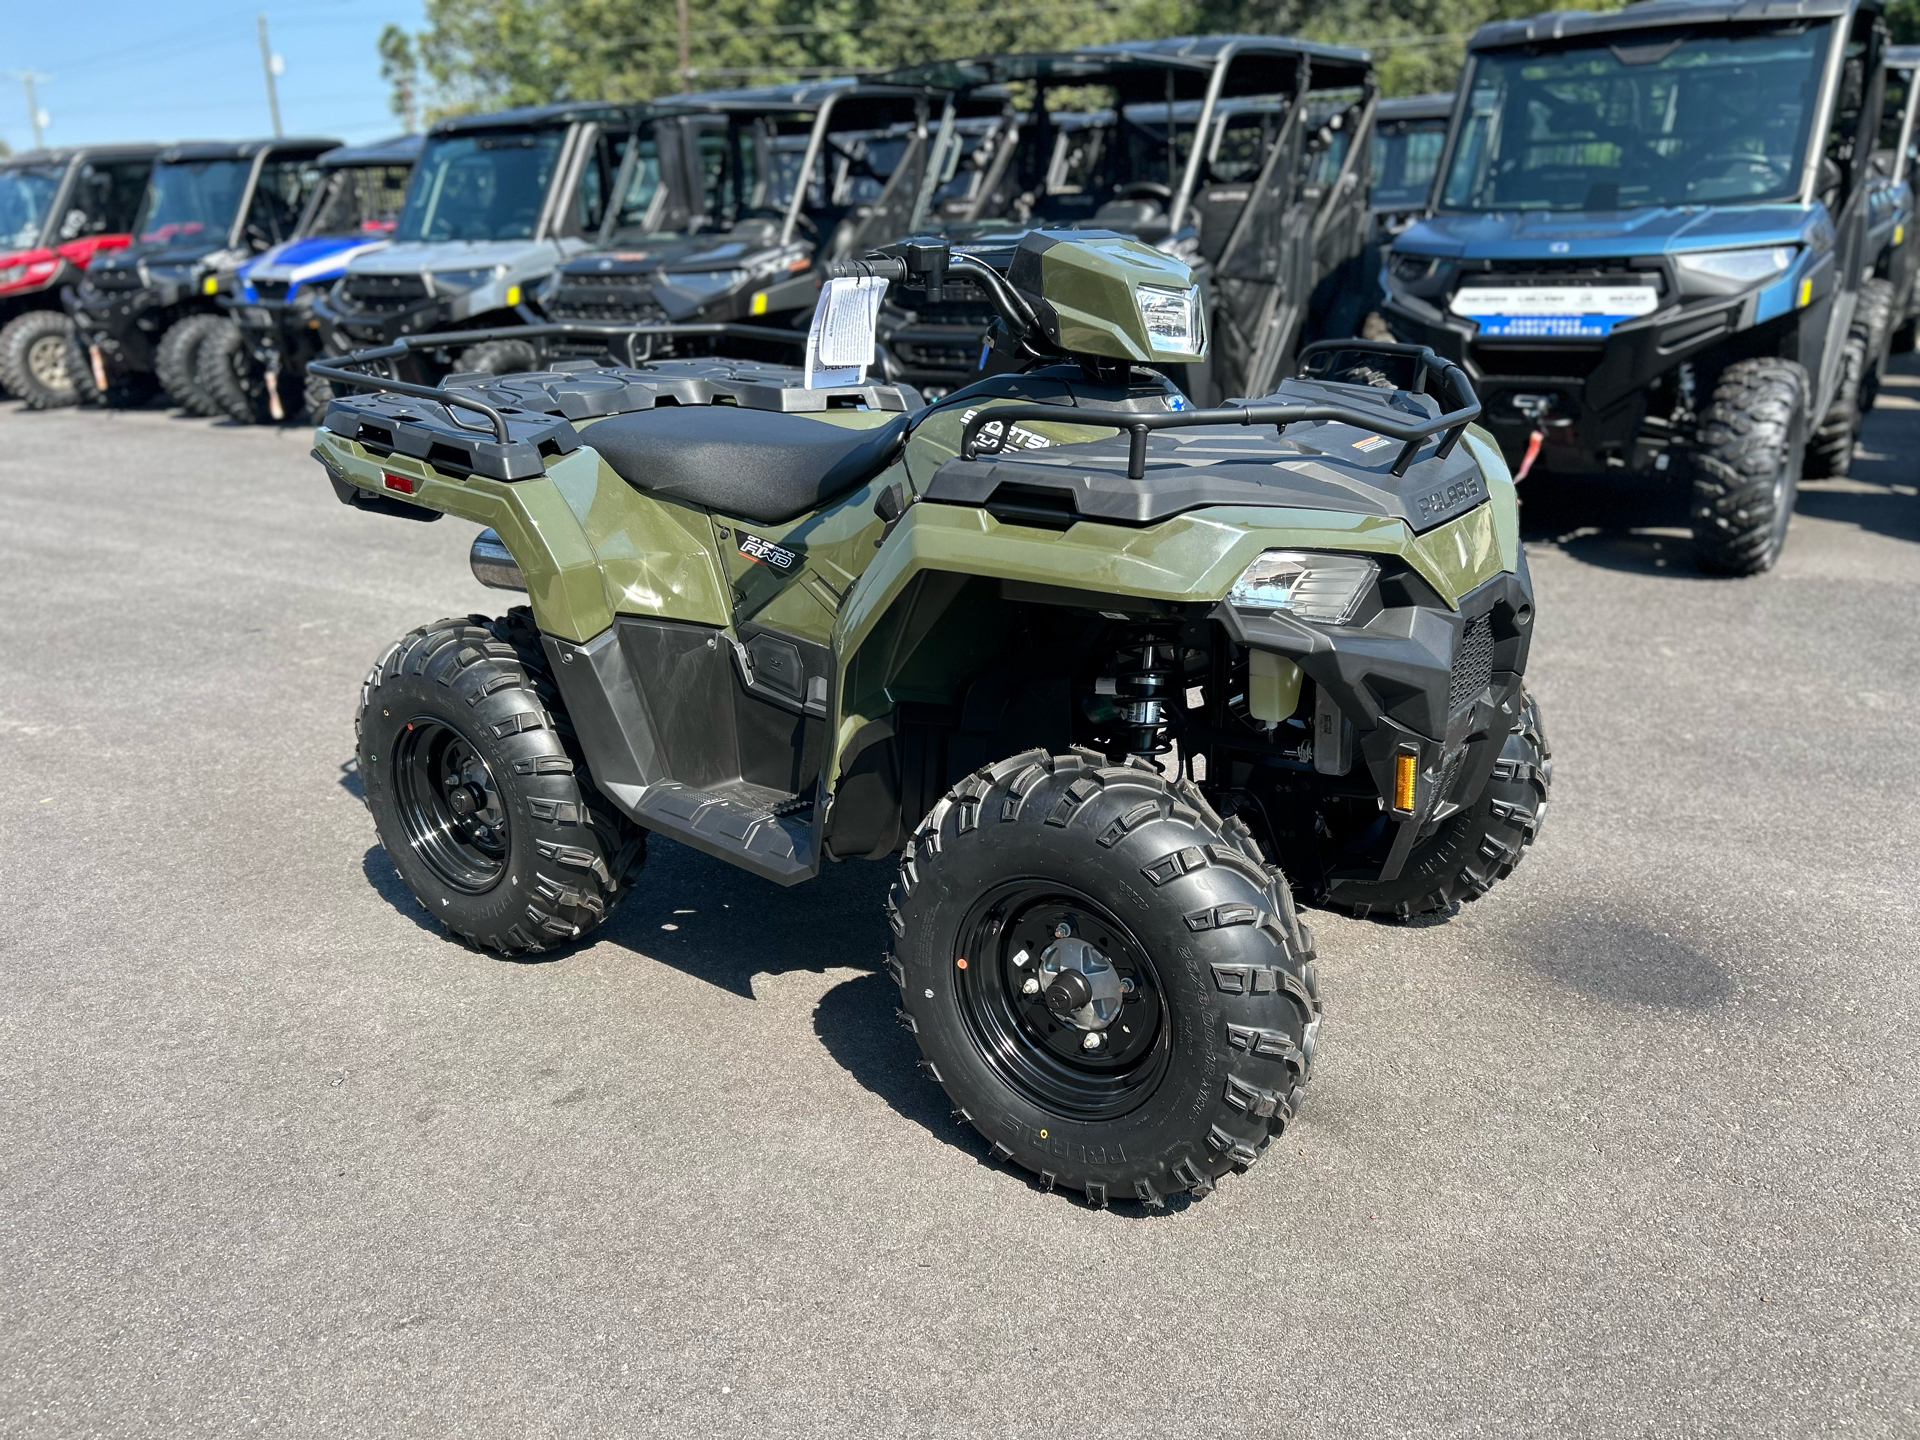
(1742, 467)
(18, 338)
(498, 357)
(225, 374)
(1156, 843)
(572, 855)
(1830, 446)
(176, 361)
(1873, 318)
(1474, 850)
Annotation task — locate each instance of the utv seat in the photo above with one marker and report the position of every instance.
(761, 465)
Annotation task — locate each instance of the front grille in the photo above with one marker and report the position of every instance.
(386, 294)
(1609, 268)
(115, 279)
(1472, 664)
(620, 299)
(270, 289)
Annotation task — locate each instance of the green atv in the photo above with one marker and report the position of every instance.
(1087, 659)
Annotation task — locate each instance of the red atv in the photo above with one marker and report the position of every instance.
(58, 209)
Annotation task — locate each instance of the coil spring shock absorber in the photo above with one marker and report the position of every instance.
(1146, 673)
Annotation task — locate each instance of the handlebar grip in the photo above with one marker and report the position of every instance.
(882, 267)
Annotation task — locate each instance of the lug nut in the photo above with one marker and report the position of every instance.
(1031, 987)
(1126, 985)
(1062, 930)
(1092, 1042)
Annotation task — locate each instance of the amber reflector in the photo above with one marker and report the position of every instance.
(1403, 777)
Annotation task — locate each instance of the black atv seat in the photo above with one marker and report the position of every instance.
(760, 465)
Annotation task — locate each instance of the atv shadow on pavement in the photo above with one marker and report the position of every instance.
(1635, 525)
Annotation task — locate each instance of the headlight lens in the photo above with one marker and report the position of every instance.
(1313, 586)
(1724, 271)
(704, 284)
(458, 282)
(1412, 269)
(1172, 318)
(11, 273)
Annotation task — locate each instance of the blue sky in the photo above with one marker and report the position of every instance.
(136, 70)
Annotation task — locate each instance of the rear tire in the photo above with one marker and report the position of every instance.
(125, 389)
(1202, 933)
(1873, 318)
(1474, 850)
(498, 357)
(1746, 464)
(176, 358)
(1830, 450)
(479, 792)
(35, 351)
(225, 374)
(318, 395)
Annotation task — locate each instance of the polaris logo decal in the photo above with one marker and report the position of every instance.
(1443, 502)
(767, 553)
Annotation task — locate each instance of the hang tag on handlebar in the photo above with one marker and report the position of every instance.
(841, 340)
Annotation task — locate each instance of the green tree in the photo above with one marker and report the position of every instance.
(400, 68)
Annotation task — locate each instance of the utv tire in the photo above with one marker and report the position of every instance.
(1146, 874)
(498, 357)
(1873, 318)
(176, 358)
(317, 394)
(125, 390)
(224, 373)
(1746, 463)
(35, 353)
(1830, 450)
(479, 792)
(1472, 851)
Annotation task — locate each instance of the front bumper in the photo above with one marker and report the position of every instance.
(125, 324)
(357, 328)
(1443, 686)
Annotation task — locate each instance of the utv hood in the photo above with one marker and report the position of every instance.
(1605, 234)
(415, 257)
(319, 257)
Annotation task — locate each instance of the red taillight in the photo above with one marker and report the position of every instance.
(405, 484)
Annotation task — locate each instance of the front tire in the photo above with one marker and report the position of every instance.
(1472, 851)
(1746, 464)
(1040, 859)
(34, 359)
(225, 374)
(177, 357)
(1830, 450)
(1873, 318)
(478, 790)
(498, 357)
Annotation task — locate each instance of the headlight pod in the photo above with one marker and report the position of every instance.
(1412, 269)
(703, 284)
(458, 282)
(1727, 272)
(1304, 583)
(1173, 319)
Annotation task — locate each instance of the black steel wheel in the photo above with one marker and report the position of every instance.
(1105, 977)
(450, 806)
(479, 792)
(1012, 1002)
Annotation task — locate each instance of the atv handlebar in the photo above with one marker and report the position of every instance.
(926, 264)
(1414, 433)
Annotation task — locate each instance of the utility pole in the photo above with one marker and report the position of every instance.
(686, 59)
(268, 60)
(35, 116)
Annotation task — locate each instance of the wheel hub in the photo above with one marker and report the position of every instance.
(1081, 986)
(47, 361)
(451, 807)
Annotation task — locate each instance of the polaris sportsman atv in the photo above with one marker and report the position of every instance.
(58, 209)
(495, 203)
(140, 314)
(254, 368)
(1086, 658)
(723, 230)
(1268, 207)
(1648, 247)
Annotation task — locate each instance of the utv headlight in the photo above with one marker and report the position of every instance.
(704, 284)
(1313, 586)
(1172, 317)
(1722, 272)
(458, 282)
(1412, 269)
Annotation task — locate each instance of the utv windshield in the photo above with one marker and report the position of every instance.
(480, 186)
(1708, 119)
(1406, 153)
(25, 194)
(358, 200)
(192, 199)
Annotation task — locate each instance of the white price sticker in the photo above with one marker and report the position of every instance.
(845, 323)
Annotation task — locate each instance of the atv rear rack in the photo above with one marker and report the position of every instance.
(1414, 433)
(341, 370)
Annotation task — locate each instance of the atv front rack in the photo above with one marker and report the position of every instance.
(1428, 367)
(344, 369)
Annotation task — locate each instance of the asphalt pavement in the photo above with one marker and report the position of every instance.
(1625, 1148)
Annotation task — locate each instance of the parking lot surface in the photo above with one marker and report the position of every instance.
(1625, 1148)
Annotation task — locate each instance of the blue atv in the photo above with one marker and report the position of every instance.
(1648, 245)
(253, 366)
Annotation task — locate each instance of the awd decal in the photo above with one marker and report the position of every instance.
(768, 553)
